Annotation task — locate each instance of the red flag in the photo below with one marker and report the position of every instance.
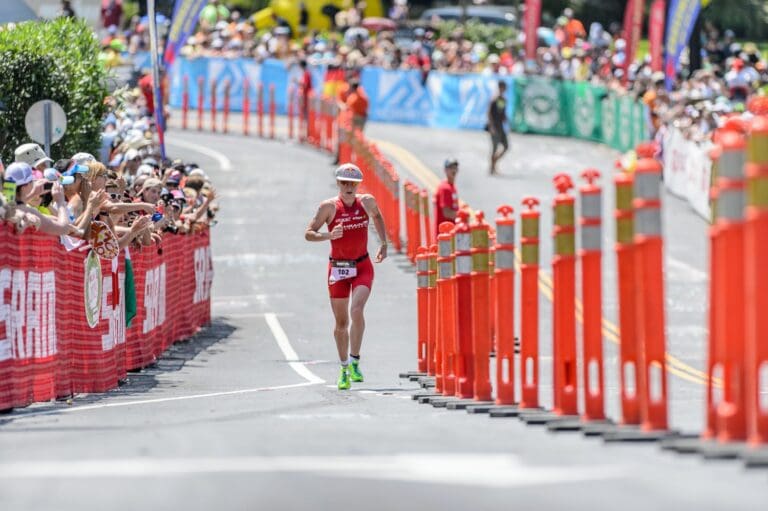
(656, 33)
(633, 27)
(532, 23)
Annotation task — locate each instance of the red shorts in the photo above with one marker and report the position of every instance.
(364, 277)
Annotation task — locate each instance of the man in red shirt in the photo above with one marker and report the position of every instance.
(446, 196)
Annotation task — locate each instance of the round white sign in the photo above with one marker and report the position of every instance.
(34, 121)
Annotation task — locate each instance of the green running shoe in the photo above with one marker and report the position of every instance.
(344, 382)
(354, 372)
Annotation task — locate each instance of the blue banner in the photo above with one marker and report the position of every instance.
(183, 22)
(681, 17)
(217, 73)
(397, 96)
(461, 101)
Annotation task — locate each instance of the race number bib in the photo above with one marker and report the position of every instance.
(341, 270)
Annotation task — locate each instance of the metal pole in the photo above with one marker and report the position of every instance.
(47, 126)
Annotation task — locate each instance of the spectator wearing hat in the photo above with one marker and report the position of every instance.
(33, 155)
(28, 191)
(446, 196)
(738, 81)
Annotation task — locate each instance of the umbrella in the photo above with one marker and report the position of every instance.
(378, 24)
(547, 35)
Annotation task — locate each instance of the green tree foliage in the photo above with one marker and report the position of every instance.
(747, 18)
(52, 60)
(495, 36)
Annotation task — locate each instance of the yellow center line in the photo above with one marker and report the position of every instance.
(609, 329)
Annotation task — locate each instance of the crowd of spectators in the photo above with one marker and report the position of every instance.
(127, 195)
(730, 71)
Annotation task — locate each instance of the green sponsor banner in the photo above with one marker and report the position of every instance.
(540, 106)
(609, 116)
(584, 110)
(580, 110)
(624, 122)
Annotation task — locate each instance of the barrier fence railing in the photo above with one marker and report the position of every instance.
(455, 293)
(63, 317)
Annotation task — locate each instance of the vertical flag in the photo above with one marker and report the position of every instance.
(156, 88)
(680, 20)
(185, 15)
(532, 22)
(656, 33)
(633, 27)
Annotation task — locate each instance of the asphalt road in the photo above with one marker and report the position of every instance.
(246, 414)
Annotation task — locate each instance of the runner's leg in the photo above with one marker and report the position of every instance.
(340, 308)
(358, 299)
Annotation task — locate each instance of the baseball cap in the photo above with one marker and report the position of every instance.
(75, 169)
(450, 162)
(19, 173)
(83, 158)
(174, 177)
(349, 172)
(31, 154)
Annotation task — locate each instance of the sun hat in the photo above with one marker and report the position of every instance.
(349, 172)
(31, 154)
(151, 182)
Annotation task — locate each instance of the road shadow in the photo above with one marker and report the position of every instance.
(209, 340)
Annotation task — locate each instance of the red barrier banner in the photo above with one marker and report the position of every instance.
(532, 22)
(48, 348)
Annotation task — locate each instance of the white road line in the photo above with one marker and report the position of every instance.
(288, 351)
(481, 470)
(23, 415)
(224, 163)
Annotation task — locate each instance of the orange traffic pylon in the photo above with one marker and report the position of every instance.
(564, 300)
(629, 349)
(590, 256)
(504, 312)
(726, 419)
(481, 328)
(447, 316)
(757, 293)
(464, 360)
(422, 279)
(649, 284)
(529, 304)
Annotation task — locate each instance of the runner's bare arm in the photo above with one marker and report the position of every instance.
(369, 203)
(323, 216)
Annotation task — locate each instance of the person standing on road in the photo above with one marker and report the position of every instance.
(446, 196)
(497, 125)
(350, 272)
